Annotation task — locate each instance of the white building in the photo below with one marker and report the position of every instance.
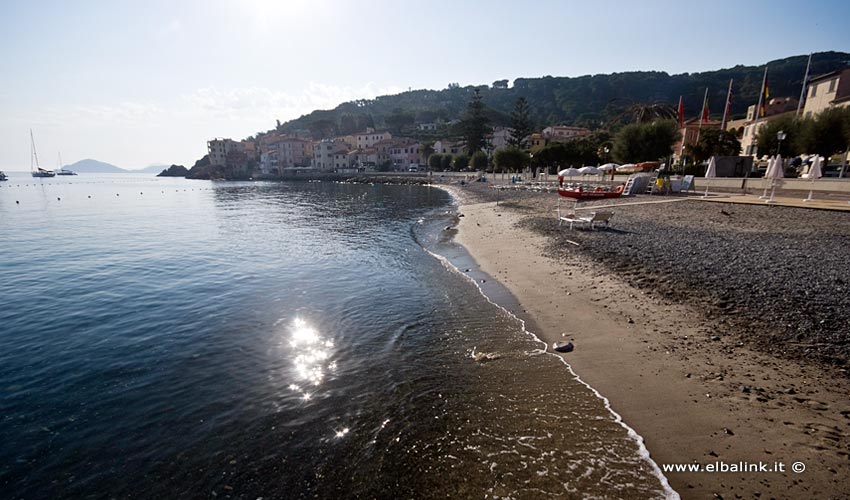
(562, 133)
(370, 138)
(325, 154)
(500, 138)
(446, 147)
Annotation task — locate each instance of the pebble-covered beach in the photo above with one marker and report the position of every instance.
(773, 277)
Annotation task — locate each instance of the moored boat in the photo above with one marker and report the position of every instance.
(3, 176)
(592, 192)
(35, 169)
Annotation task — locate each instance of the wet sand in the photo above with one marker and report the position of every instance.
(678, 374)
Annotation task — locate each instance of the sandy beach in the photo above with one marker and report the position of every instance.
(702, 378)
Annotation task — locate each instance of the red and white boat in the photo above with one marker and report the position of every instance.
(591, 192)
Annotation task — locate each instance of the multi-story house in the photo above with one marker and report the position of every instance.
(403, 155)
(370, 138)
(826, 91)
(555, 133)
(220, 148)
(325, 152)
(689, 134)
(447, 147)
(564, 133)
(773, 109)
(499, 138)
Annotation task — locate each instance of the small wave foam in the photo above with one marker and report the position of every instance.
(669, 492)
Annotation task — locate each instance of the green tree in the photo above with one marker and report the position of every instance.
(826, 133)
(460, 162)
(521, 126)
(511, 159)
(768, 141)
(478, 161)
(475, 125)
(645, 142)
(427, 150)
(500, 84)
(714, 142)
(399, 120)
(435, 161)
(446, 162)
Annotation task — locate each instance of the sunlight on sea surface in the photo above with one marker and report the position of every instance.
(165, 337)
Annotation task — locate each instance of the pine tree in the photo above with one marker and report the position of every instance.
(520, 124)
(475, 125)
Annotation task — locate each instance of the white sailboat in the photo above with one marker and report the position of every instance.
(35, 169)
(63, 171)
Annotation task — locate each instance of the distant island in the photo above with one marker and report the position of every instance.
(91, 166)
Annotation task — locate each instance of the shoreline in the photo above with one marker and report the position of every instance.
(700, 405)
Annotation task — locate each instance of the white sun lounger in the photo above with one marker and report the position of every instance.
(592, 219)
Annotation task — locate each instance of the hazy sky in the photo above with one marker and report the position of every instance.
(142, 82)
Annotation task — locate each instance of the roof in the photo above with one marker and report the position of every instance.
(825, 76)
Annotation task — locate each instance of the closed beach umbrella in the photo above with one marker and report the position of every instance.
(814, 173)
(767, 173)
(774, 175)
(710, 172)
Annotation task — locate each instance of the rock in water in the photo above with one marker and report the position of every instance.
(174, 171)
(564, 346)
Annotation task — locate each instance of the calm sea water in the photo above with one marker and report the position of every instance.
(164, 338)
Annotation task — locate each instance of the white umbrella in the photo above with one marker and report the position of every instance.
(569, 172)
(628, 168)
(710, 172)
(814, 173)
(608, 167)
(777, 173)
(589, 171)
(767, 173)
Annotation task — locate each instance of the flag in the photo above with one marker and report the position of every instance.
(765, 96)
(705, 108)
(681, 113)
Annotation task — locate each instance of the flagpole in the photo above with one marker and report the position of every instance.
(702, 113)
(726, 107)
(758, 114)
(803, 90)
(680, 114)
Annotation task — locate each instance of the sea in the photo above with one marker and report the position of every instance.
(164, 338)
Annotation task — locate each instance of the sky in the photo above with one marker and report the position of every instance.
(136, 83)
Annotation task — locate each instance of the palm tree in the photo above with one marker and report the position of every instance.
(637, 112)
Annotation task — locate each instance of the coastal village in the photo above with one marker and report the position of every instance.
(277, 153)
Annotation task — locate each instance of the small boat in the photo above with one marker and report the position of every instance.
(3, 176)
(63, 171)
(35, 169)
(590, 192)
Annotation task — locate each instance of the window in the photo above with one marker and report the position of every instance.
(832, 85)
(814, 91)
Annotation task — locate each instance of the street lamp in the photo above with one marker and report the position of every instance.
(607, 150)
(781, 137)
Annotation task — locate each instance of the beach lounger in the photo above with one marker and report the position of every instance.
(592, 219)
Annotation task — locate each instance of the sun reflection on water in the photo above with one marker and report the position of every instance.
(312, 357)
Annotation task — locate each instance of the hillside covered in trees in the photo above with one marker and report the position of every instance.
(593, 101)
